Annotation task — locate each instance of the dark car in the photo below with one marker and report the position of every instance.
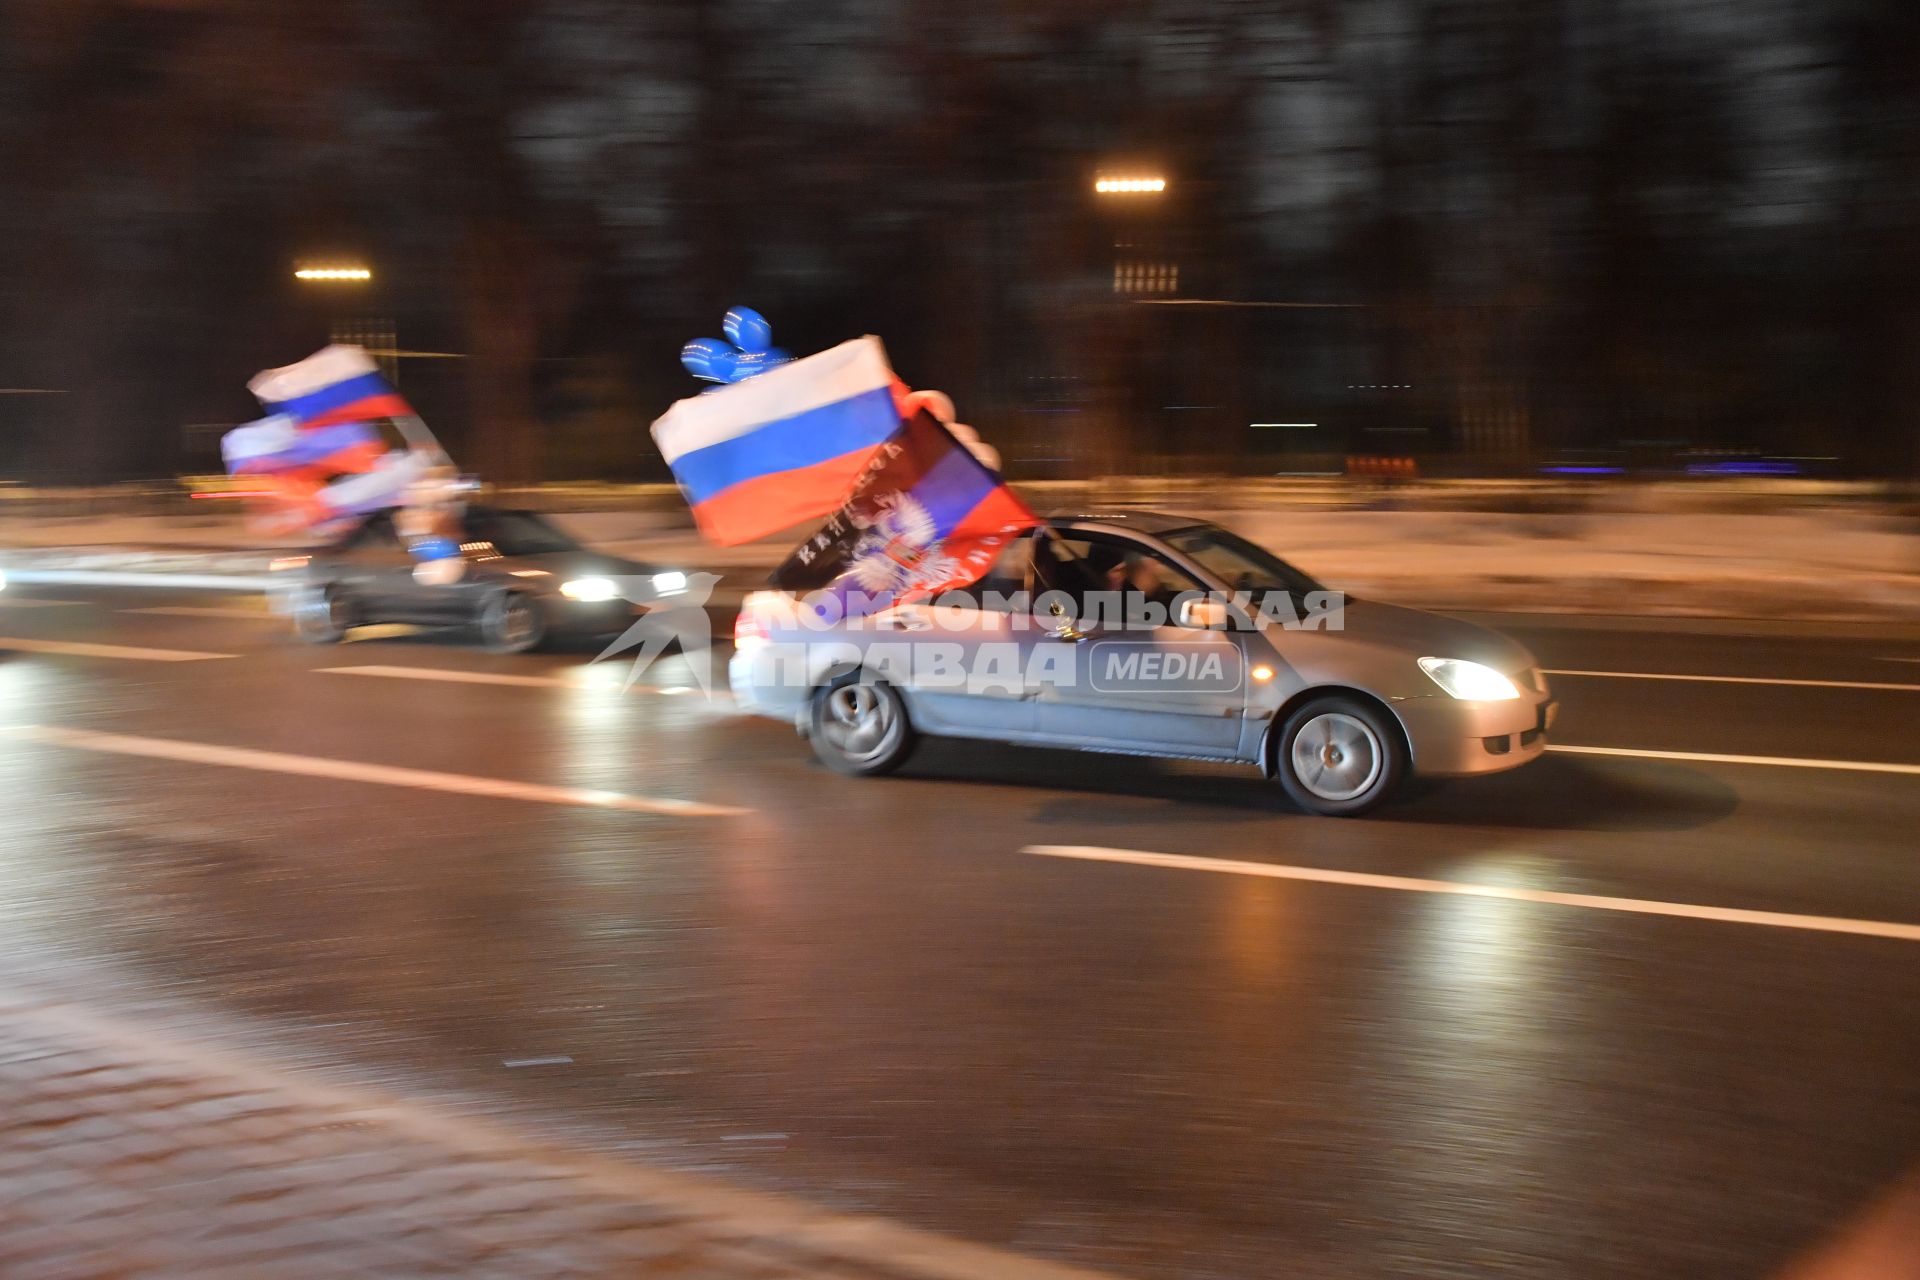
(526, 581)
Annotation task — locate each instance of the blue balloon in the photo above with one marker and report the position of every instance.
(748, 364)
(727, 363)
(753, 363)
(749, 330)
(709, 358)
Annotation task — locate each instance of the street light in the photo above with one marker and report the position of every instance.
(348, 325)
(1130, 186)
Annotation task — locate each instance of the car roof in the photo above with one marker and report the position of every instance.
(1149, 522)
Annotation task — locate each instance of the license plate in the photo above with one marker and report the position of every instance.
(1548, 710)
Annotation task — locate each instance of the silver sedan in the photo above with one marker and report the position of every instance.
(1157, 635)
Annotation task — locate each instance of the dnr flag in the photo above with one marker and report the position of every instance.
(925, 516)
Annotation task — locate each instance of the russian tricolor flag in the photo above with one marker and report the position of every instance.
(278, 444)
(785, 446)
(335, 385)
(317, 457)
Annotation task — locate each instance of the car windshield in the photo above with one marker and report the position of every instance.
(1240, 564)
(517, 533)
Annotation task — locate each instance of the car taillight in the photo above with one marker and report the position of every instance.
(748, 629)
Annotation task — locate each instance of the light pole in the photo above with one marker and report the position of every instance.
(1131, 201)
(375, 333)
(1141, 264)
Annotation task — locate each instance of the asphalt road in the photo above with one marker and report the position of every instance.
(662, 926)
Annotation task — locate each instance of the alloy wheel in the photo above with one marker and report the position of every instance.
(860, 721)
(1337, 756)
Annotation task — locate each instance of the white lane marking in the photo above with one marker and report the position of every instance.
(382, 631)
(1710, 757)
(581, 679)
(1547, 897)
(207, 611)
(117, 578)
(79, 649)
(1811, 684)
(451, 677)
(357, 771)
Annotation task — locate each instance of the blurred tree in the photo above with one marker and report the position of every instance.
(1569, 223)
(1879, 97)
(181, 149)
(130, 265)
(461, 76)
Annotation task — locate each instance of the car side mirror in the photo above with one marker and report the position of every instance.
(1203, 614)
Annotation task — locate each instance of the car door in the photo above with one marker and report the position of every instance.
(964, 655)
(1116, 683)
(493, 560)
(375, 572)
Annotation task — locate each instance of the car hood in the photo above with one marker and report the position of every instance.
(1420, 634)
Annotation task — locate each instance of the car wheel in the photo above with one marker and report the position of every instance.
(322, 616)
(511, 623)
(860, 726)
(1339, 756)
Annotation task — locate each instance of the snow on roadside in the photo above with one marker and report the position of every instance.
(1810, 564)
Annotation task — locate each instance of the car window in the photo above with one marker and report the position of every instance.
(1082, 564)
(1240, 564)
(515, 533)
(1003, 584)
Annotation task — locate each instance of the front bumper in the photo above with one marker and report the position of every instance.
(1454, 738)
(587, 618)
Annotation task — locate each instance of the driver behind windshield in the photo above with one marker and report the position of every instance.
(1141, 575)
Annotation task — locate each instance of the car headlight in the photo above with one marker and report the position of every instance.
(1469, 681)
(590, 590)
(670, 583)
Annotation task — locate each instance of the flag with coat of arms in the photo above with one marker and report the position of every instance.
(924, 516)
